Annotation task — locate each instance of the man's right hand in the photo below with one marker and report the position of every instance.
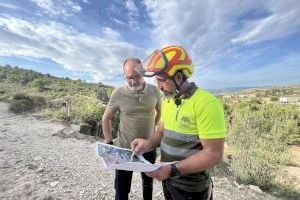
(140, 146)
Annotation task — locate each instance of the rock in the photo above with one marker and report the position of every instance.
(68, 132)
(32, 166)
(48, 198)
(39, 170)
(255, 188)
(53, 184)
(241, 186)
(85, 129)
(27, 186)
(18, 161)
(235, 184)
(43, 181)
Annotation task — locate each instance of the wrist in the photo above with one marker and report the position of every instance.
(174, 171)
(108, 142)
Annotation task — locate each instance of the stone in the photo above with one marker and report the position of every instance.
(85, 129)
(255, 188)
(53, 184)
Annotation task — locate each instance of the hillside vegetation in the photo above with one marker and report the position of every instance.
(260, 129)
(50, 96)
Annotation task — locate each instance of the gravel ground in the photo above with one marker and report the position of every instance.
(37, 163)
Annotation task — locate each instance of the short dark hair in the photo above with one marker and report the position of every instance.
(138, 61)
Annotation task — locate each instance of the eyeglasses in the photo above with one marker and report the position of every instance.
(163, 80)
(133, 77)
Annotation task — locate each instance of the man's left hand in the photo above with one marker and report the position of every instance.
(161, 174)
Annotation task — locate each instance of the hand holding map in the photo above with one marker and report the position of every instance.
(114, 157)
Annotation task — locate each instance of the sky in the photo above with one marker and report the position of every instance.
(236, 43)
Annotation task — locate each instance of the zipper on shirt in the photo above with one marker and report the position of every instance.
(178, 109)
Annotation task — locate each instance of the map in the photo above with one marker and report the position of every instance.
(114, 157)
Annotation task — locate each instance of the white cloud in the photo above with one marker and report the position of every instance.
(207, 28)
(210, 30)
(133, 13)
(111, 34)
(131, 7)
(65, 8)
(283, 21)
(101, 57)
(117, 21)
(7, 5)
(86, 1)
(204, 28)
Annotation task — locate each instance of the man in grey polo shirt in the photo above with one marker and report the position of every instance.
(139, 105)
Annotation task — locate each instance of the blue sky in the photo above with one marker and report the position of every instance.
(232, 44)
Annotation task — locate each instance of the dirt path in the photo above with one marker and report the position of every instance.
(293, 170)
(36, 164)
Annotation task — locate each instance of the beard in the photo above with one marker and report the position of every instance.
(136, 89)
(168, 94)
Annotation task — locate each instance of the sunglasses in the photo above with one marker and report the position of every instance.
(163, 80)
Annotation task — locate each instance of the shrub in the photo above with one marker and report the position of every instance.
(274, 98)
(20, 96)
(90, 110)
(23, 103)
(258, 138)
(20, 106)
(39, 101)
(93, 118)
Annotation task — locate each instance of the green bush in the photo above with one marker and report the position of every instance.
(274, 98)
(90, 110)
(23, 103)
(115, 124)
(258, 138)
(20, 96)
(20, 106)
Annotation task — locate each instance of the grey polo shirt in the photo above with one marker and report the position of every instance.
(137, 112)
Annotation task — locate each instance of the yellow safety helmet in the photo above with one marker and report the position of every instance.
(167, 61)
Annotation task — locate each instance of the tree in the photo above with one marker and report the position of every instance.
(39, 83)
(274, 98)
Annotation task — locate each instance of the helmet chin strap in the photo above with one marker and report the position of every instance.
(177, 91)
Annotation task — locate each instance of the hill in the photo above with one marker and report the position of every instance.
(73, 101)
(279, 94)
(15, 79)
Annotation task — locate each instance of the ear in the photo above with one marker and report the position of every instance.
(178, 77)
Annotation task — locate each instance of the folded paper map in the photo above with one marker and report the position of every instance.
(114, 157)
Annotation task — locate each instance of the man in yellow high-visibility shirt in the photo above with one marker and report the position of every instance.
(192, 127)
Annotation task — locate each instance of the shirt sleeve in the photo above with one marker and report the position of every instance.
(211, 122)
(113, 105)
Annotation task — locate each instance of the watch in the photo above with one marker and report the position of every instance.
(156, 127)
(111, 142)
(174, 171)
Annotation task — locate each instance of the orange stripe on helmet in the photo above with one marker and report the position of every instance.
(177, 61)
(152, 66)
